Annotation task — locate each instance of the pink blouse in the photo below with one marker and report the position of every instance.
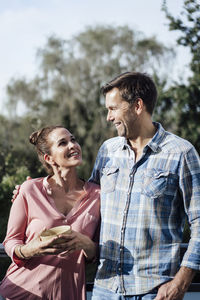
(48, 277)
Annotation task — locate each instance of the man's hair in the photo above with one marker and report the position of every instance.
(134, 85)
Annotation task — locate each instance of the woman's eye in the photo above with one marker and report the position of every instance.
(62, 143)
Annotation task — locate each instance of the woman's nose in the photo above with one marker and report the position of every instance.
(70, 144)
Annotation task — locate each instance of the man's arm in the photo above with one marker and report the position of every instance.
(95, 176)
(176, 288)
(190, 187)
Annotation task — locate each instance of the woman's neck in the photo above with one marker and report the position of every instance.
(66, 180)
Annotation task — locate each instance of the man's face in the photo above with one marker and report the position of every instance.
(121, 113)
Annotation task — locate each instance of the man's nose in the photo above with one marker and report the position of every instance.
(109, 116)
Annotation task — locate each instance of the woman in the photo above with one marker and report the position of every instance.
(44, 269)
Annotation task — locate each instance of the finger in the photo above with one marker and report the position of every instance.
(13, 198)
(16, 190)
(28, 178)
(50, 251)
(15, 193)
(65, 253)
(49, 243)
(58, 251)
(66, 246)
(65, 237)
(40, 232)
(57, 170)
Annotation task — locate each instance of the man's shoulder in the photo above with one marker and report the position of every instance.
(176, 143)
(112, 144)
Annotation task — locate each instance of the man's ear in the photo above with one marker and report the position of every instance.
(139, 106)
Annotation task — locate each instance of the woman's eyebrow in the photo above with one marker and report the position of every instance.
(61, 140)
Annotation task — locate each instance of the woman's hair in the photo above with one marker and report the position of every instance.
(40, 140)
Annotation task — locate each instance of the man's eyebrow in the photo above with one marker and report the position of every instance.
(111, 106)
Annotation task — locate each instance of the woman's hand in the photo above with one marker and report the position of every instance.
(78, 241)
(37, 247)
(70, 242)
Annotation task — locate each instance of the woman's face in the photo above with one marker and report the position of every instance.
(65, 151)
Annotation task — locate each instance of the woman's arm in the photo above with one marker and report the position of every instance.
(15, 242)
(16, 227)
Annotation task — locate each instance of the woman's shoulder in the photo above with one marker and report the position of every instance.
(30, 183)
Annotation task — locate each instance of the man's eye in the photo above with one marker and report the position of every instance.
(73, 139)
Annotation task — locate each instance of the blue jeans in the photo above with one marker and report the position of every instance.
(100, 293)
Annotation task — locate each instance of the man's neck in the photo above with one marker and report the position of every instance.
(137, 144)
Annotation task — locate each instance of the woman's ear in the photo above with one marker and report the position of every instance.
(48, 159)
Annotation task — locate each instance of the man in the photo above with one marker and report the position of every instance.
(150, 181)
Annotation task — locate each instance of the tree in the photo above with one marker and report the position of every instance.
(67, 87)
(189, 27)
(184, 98)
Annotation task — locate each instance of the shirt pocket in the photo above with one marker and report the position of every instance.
(159, 182)
(108, 179)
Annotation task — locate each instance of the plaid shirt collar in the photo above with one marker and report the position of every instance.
(153, 143)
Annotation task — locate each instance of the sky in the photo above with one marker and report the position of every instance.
(25, 26)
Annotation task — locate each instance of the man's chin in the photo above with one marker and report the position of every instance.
(120, 133)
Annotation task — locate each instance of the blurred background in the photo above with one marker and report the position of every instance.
(56, 55)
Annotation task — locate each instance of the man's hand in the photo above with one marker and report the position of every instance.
(176, 288)
(16, 190)
(169, 291)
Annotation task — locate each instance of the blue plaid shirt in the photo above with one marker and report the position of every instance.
(143, 208)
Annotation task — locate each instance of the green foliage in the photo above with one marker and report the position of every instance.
(66, 90)
(188, 26)
(184, 98)
(9, 180)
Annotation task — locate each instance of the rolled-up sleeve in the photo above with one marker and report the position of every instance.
(190, 188)
(16, 227)
(95, 176)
